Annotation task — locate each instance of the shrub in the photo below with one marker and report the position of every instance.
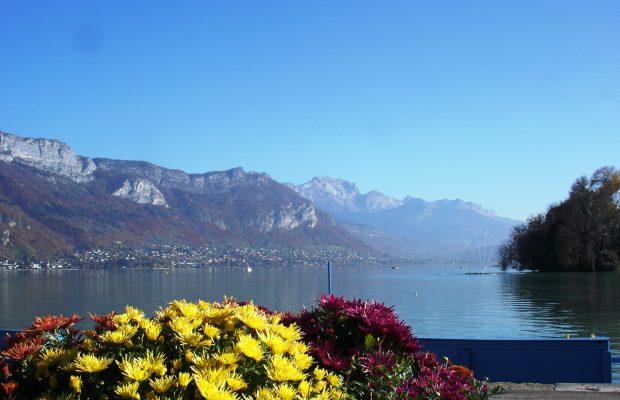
(378, 355)
(188, 350)
(231, 351)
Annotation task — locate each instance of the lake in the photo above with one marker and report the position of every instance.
(440, 302)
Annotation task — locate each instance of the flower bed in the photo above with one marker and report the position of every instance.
(219, 351)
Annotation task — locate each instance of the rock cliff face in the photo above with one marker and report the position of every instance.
(77, 202)
(142, 192)
(46, 155)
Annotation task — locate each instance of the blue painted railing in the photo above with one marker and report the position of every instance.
(578, 360)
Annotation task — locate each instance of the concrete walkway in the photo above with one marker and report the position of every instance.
(568, 391)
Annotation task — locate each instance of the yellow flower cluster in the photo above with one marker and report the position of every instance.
(219, 351)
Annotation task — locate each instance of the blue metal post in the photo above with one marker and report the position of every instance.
(329, 277)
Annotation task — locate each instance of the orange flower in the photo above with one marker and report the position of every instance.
(52, 322)
(21, 350)
(9, 388)
(462, 371)
(104, 321)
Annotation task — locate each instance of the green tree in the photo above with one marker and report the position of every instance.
(580, 233)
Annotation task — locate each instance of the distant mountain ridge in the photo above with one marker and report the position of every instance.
(53, 200)
(443, 230)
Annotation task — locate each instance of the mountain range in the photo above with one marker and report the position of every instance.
(53, 201)
(438, 231)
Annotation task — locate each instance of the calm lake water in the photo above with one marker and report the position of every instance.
(436, 301)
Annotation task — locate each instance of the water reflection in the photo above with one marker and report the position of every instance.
(581, 303)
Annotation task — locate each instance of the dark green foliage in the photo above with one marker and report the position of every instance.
(581, 233)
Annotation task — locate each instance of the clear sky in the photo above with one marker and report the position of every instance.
(503, 103)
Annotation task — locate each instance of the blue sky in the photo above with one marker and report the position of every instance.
(497, 102)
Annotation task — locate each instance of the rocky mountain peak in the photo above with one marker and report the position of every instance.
(335, 194)
(334, 186)
(47, 155)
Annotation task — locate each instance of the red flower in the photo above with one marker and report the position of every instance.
(9, 388)
(52, 322)
(5, 370)
(21, 350)
(104, 321)
(378, 363)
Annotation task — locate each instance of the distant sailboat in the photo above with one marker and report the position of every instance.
(248, 268)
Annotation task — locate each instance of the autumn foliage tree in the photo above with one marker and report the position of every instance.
(581, 233)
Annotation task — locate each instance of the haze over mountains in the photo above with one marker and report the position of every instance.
(443, 230)
(54, 201)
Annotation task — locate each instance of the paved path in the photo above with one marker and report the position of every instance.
(568, 391)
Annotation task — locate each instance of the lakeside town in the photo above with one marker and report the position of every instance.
(180, 256)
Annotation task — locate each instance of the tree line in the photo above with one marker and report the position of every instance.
(581, 233)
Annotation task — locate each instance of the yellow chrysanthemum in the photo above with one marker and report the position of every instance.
(75, 383)
(214, 391)
(322, 395)
(333, 379)
(156, 363)
(210, 374)
(67, 358)
(228, 358)
(165, 313)
(185, 308)
(51, 357)
(210, 330)
(217, 316)
(162, 385)
(265, 394)
(304, 389)
(235, 382)
(319, 374)
(128, 391)
(190, 357)
(91, 364)
(135, 369)
(281, 369)
(276, 344)
(120, 336)
(286, 392)
(152, 331)
(303, 361)
(291, 332)
(230, 324)
(297, 347)
(182, 325)
(134, 314)
(249, 315)
(249, 347)
(122, 318)
(184, 379)
(205, 362)
(320, 385)
(89, 344)
(177, 363)
(194, 339)
(144, 323)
